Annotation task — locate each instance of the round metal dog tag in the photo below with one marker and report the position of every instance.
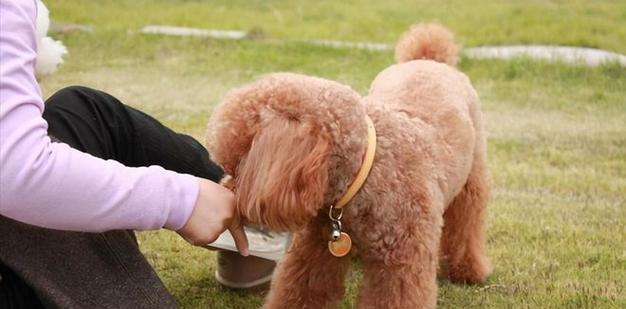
(341, 246)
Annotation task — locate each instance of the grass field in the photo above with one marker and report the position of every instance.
(557, 133)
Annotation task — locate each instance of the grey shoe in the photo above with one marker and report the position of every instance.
(239, 272)
(255, 271)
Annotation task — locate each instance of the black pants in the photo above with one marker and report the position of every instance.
(58, 269)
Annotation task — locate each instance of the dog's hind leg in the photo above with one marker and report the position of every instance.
(308, 276)
(462, 255)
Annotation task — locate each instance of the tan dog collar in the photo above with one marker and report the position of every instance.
(366, 166)
(340, 243)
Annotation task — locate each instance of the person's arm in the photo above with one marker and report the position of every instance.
(54, 186)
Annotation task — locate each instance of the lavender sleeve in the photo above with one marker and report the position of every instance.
(54, 186)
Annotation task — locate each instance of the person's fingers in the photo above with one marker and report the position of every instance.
(241, 240)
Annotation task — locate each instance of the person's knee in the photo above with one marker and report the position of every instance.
(69, 95)
(79, 101)
(66, 102)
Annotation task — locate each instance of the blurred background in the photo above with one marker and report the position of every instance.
(556, 129)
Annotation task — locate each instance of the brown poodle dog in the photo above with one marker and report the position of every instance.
(293, 145)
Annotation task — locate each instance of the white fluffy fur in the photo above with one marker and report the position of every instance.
(49, 51)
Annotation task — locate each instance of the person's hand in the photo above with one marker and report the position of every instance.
(213, 213)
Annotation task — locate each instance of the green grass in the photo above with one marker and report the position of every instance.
(478, 22)
(557, 133)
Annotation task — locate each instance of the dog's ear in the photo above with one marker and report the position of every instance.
(281, 182)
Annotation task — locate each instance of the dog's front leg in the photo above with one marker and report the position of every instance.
(400, 271)
(308, 277)
(398, 287)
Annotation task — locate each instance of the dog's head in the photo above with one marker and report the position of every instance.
(292, 144)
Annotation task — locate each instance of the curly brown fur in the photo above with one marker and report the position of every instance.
(313, 127)
(427, 41)
(293, 144)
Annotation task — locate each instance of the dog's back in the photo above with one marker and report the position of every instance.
(438, 99)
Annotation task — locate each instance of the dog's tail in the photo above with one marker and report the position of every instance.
(427, 41)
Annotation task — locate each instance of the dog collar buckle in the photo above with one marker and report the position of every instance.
(340, 243)
(335, 220)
